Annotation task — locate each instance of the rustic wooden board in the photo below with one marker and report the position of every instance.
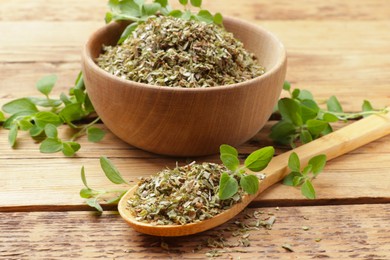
(359, 231)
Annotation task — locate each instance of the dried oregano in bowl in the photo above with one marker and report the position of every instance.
(174, 52)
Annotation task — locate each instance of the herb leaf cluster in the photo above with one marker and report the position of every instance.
(41, 117)
(256, 161)
(303, 178)
(303, 120)
(138, 12)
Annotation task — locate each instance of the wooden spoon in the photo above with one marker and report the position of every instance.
(333, 145)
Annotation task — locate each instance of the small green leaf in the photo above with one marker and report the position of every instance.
(12, 135)
(318, 163)
(305, 137)
(316, 126)
(71, 113)
(230, 161)
(93, 202)
(108, 17)
(196, 3)
(2, 117)
(228, 186)
(290, 111)
(334, 105)
(297, 180)
(83, 178)
(79, 94)
(218, 18)
(79, 82)
(295, 93)
(205, 16)
(75, 146)
(46, 84)
(150, 9)
(25, 124)
(183, 2)
(287, 86)
(87, 193)
(307, 190)
(88, 104)
(127, 32)
(328, 117)
(293, 162)
(225, 148)
(16, 117)
(306, 170)
(305, 95)
(288, 180)
(309, 110)
(259, 159)
(65, 99)
(282, 132)
(176, 13)
(19, 105)
(95, 134)
(249, 183)
(51, 131)
(111, 172)
(50, 145)
(67, 149)
(36, 131)
(45, 117)
(163, 3)
(366, 106)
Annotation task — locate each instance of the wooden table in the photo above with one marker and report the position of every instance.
(334, 48)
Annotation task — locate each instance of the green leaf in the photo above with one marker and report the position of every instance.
(67, 149)
(95, 134)
(288, 180)
(309, 110)
(108, 17)
(228, 186)
(79, 94)
(218, 18)
(307, 190)
(79, 82)
(305, 95)
(196, 3)
(327, 130)
(87, 193)
(183, 2)
(227, 149)
(293, 162)
(45, 117)
(50, 145)
(19, 105)
(306, 170)
(127, 32)
(93, 202)
(249, 183)
(287, 86)
(71, 113)
(2, 117)
(259, 159)
(150, 9)
(88, 104)
(46, 102)
(205, 16)
(25, 124)
(316, 126)
(83, 178)
(366, 106)
(51, 131)
(295, 93)
(75, 146)
(163, 3)
(230, 161)
(12, 135)
(297, 180)
(130, 8)
(110, 170)
(328, 117)
(317, 163)
(46, 84)
(334, 105)
(290, 111)
(282, 132)
(36, 131)
(176, 13)
(17, 117)
(305, 137)
(65, 99)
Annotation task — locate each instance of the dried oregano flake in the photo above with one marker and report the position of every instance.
(168, 51)
(181, 195)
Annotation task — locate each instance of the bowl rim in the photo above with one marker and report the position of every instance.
(87, 57)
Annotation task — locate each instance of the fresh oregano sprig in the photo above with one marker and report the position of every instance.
(41, 117)
(138, 11)
(95, 197)
(303, 120)
(303, 178)
(256, 161)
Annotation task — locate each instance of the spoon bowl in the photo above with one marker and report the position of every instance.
(332, 145)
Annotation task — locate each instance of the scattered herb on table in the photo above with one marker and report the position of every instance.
(41, 117)
(169, 51)
(304, 121)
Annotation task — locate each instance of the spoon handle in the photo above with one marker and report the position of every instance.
(332, 145)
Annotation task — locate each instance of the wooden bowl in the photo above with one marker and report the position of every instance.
(180, 121)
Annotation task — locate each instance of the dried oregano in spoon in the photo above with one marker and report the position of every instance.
(169, 51)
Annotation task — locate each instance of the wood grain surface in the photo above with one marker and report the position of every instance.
(334, 48)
